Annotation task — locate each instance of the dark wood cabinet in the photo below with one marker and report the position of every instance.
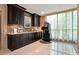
(37, 35)
(35, 20)
(13, 42)
(15, 14)
(19, 17)
(20, 40)
(17, 41)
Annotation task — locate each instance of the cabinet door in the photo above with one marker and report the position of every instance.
(20, 17)
(38, 21)
(9, 14)
(17, 40)
(29, 38)
(32, 21)
(35, 36)
(40, 35)
(10, 42)
(15, 15)
(32, 37)
(13, 42)
(35, 20)
(12, 15)
(24, 39)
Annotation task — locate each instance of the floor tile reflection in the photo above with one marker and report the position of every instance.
(62, 48)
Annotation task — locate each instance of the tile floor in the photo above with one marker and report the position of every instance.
(4, 51)
(62, 48)
(43, 48)
(36, 48)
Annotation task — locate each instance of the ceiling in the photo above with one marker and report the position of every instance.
(43, 9)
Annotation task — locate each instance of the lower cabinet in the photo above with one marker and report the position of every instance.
(37, 35)
(20, 40)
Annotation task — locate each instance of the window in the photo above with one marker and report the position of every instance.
(53, 22)
(63, 25)
(69, 25)
(60, 19)
(75, 26)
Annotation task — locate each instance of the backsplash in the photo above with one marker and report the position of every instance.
(12, 28)
(19, 29)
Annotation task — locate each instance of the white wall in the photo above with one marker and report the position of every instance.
(47, 8)
(3, 9)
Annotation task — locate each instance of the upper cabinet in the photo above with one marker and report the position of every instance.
(18, 15)
(15, 14)
(35, 20)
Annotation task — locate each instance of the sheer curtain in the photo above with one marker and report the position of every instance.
(75, 26)
(52, 19)
(63, 25)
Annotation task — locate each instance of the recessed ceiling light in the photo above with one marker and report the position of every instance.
(42, 12)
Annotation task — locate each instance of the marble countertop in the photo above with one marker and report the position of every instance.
(23, 32)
